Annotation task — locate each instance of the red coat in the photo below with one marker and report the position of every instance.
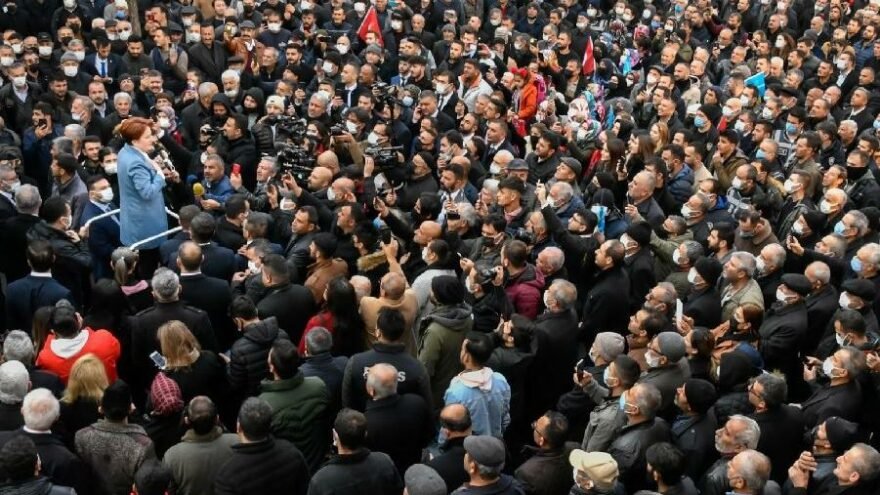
(60, 359)
(528, 101)
(526, 292)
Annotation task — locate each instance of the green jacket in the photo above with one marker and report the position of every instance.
(443, 331)
(300, 408)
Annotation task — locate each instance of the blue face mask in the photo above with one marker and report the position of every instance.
(606, 375)
(790, 128)
(678, 9)
(877, 125)
(839, 227)
(855, 264)
(655, 25)
(622, 402)
(760, 155)
(699, 122)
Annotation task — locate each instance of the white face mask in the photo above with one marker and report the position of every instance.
(71, 71)
(331, 194)
(274, 27)
(193, 37)
(844, 300)
(780, 295)
(676, 257)
(80, 56)
(351, 127)
(327, 67)
(760, 265)
(651, 359)
(828, 367)
(825, 207)
(425, 253)
(6, 61)
(397, 25)
(20, 81)
(797, 228)
(123, 35)
(110, 168)
(107, 195)
(69, 4)
(44, 50)
(343, 49)
(841, 64)
(164, 123)
(780, 43)
(840, 339)
(373, 139)
(737, 183)
(692, 275)
(441, 88)
(252, 266)
(17, 48)
(67, 221)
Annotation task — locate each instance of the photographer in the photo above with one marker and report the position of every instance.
(487, 297)
(348, 144)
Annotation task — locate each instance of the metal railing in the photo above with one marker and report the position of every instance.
(142, 241)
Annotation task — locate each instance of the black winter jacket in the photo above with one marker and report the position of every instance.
(247, 357)
(362, 472)
(270, 466)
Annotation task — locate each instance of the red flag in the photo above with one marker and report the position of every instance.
(370, 24)
(589, 63)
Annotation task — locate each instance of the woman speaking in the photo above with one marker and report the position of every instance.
(141, 185)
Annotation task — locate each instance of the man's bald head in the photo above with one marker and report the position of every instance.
(393, 285)
(462, 160)
(189, 257)
(456, 420)
(431, 229)
(381, 381)
(329, 160)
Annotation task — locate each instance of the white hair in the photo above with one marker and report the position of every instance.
(14, 381)
(40, 409)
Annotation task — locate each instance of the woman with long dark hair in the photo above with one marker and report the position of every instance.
(340, 317)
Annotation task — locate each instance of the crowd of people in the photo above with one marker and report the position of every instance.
(590, 247)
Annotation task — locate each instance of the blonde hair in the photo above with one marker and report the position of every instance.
(88, 379)
(179, 346)
(663, 130)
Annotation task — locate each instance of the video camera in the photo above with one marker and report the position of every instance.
(385, 94)
(292, 126)
(385, 158)
(297, 161)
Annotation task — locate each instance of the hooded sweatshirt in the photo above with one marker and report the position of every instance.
(486, 394)
(58, 354)
(440, 338)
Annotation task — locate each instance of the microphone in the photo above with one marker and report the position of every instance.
(198, 190)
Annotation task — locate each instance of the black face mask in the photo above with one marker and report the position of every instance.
(567, 73)
(65, 40)
(534, 140)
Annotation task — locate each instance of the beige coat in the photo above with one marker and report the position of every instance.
(408, 305)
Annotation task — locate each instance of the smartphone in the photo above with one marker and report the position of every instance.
(386, 236)
(579, 369)
(236, 169)
(453, 215)
(158, 360)
(42, 123)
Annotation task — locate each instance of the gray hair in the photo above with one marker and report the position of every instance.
(647, 398)
(14, 380)
(28, 200)
(165, 284)
(230, 74)
(679, 223)
(491, 185)
(272, 161)
(747, 260)
(775, 389)
(836, 244)
(563, 191)
(851, 124)
(777, 254)
(694, 251)
(468, 213)
(18, 346)
(320, 98)
(867, 463)
(87, 103)
(669, 296)
(750, 434)
(556, 257)
(564, 292)
(207, 88)
(78, 131)
(40, 409)
(362, 286)
(377, 379)
(821, 271)
(873, 250)
(650, 178)
(122, 95)
(860, 221)
(318, 340)
(854, 363)
(63, 144)
(754, 469)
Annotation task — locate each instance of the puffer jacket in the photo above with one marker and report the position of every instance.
(525, 291)
(440, 337)
(247, 357)
(299, 404)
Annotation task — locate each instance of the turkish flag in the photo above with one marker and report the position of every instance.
(589, 63)
(370, 24)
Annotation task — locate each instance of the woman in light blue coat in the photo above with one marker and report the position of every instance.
(141, 185)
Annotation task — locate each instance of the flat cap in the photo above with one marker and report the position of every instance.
(517, 164)
(797, 282)
(485, 450)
